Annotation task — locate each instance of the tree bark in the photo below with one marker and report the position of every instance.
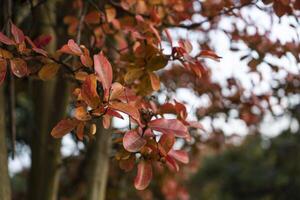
(98, 164)
(5, 189)
(50, 102)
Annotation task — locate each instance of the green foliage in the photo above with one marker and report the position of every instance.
(253, 170)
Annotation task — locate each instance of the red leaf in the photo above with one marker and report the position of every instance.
(210, 54)
(63, 127)
(144, 175)
(74, 47)
(3, 69)
(172, 164)
(180, 155)
(35, 48)
(167, 141)
(42, 40)
(169, 36)
(17, 33)
(6, 40)
(133, 112)
(172, 126)
(128, 164)
(103, 70)
(71, 48)
(114, 113)
(19, 67)
(89, 91)
(132, 141)
(181, 110)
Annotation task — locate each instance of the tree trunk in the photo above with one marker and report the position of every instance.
(50, 102)
(5, 189)
(98, 164)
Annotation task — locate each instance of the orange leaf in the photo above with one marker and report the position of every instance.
(92, 17)
(171, 126)
(5, 54)
(103, 70)
(144, 175)
(3, 69)
(210, 54)
(132, 141)
(19, 67)
(63, 127)
(48, 71)
(89, 91)
(155, 82)
(81, 114)
(80, 130)
(106, 121)
(126, 108)
(86, 60)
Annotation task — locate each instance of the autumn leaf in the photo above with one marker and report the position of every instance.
(106, 121)
(181, 110)
(5, 54)
(80, 131)
(210, 54)
(117, 91)
(132, 141)
(74, 47)
(103, 71)
(155, 82)
(127, 164)
(17, 33)
(169, 126)
(113, 113)
(127, 109)
(133, 74)
(180, 155)
(19, 67)
(89, 91)
(167, 141)
(172, 164)
(92, 17)
(86, 60)
(81, 114)
(6, 40)
(144, 175)
(35, 48)
(71, 48)
(48, 71)
(3, 69)
(63, 127)
(110, 13)
(157, 62)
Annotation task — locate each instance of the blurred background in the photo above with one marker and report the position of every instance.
(248, 104)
